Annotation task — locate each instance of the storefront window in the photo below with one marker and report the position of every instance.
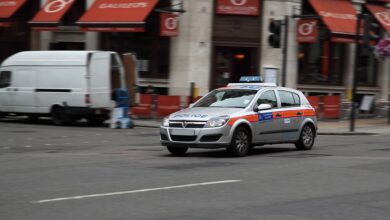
(152, 51)
(17, 37)
(321, 63)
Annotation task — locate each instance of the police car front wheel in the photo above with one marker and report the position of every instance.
(306, 139)
(240, 144)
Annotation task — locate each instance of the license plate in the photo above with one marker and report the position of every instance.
(189, 132)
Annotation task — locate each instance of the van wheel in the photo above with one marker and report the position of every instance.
(306, 139)
(95, 121)
(240, 144)
(177, 151)
(59, 117)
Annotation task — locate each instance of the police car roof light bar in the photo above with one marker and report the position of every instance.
(251, 79)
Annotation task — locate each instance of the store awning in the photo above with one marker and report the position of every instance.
(338, 15)
(381, 14)
(51, 13)
(9, 7)
(113, 14)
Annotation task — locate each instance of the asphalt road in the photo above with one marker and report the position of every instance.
(81, 172)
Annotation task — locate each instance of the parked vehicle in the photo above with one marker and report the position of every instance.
(241, 116)
(66, 85)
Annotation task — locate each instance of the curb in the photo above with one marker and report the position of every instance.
(347, 133)
(145, 125)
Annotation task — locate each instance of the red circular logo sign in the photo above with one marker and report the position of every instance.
(56, 5)
(171, 23)
(306, 28)
(238, 2)
(383, 17)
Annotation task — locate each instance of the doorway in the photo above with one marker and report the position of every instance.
(230, 63)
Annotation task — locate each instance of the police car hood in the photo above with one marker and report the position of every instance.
(202, 113)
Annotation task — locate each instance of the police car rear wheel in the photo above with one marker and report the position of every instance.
(306, 140)
(240, 144)
(177, 151)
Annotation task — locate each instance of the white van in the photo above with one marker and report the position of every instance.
(66, 85)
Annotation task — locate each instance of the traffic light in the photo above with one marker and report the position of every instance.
(372, 30)
(275, 28)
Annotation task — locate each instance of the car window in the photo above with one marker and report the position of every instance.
(227, 98)
(297, 100)
(5, 79)
(286, 99)
(268, 97)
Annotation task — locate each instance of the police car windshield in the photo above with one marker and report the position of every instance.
(227, 98)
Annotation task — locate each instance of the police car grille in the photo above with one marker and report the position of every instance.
(183, 138)
(187, 124)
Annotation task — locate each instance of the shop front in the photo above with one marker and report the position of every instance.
(135, 27)
(236, 41)
(15, 34)
(326, 57)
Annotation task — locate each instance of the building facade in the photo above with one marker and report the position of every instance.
(215, 42)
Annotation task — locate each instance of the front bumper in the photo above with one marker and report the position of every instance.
(196, 137)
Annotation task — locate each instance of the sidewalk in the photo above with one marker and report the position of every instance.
(362, 127)
(339, 127)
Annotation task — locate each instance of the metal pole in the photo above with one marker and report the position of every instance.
(389, 110)
(355, 72)
(192, 86)
(285, 44)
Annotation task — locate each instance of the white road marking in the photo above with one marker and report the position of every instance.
(48, 144)
(5, 148)
(27, 146)
(135, 191)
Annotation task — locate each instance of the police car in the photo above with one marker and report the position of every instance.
(240, 116)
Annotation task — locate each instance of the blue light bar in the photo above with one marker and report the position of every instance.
(251, 79)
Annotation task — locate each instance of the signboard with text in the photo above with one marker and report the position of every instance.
(307, 31)
(53, 11)
(238, 7)
(169, 24)
(9, 7)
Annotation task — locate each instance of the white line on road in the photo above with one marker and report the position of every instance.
(134, 191)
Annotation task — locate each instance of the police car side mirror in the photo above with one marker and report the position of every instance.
(262, 107)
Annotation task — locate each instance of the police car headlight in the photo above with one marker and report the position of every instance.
(165, 122)
(217, 122)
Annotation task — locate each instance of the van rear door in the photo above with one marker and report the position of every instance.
(99, 79)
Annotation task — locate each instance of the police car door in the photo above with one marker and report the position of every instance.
(269, 127)
(292, 114)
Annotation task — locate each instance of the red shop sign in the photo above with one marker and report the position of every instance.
(53, 11)
(307, 31)
(238, 7)
(169, 25)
